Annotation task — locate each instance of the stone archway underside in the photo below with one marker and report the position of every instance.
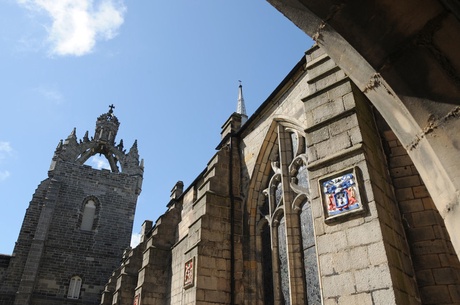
(405, 56)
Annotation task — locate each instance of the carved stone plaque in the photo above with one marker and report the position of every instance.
(340, 194)
(189, 273)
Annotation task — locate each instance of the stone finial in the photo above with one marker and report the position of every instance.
(59, 146)
(120, 146)
(133, 152)
(85, 137)
(177, 190)
(146, 227)
(142, 164)
(73, 134)
(72, 138)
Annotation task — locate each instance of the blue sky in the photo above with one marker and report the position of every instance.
(171, 68)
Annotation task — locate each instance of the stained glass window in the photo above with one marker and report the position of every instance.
(274, 237)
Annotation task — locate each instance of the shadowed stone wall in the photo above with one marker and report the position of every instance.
(53, 246)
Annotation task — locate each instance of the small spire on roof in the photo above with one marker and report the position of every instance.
(241, 108)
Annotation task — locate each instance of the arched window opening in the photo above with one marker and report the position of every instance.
(98, 162)
(89, 212)
(74, 288)
(290, 223)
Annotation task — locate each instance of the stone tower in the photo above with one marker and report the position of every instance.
(78, 223)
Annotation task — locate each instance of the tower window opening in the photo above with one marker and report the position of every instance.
(74, 288)
(88, 216)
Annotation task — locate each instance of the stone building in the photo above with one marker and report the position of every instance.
(78, 223)
(312, 200)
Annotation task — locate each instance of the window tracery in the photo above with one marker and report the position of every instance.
(287, 210)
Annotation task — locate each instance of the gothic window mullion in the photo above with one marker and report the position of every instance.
(289, 230)
(292, 223)
(277, 293)
(300, 186)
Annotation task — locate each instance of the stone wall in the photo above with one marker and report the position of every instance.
(355, 255)
(437, 268)
(59, 248)
(4, 262)
(223, 241)
(53, 245)
(10, 283)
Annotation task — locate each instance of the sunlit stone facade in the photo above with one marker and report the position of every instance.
(312, 200)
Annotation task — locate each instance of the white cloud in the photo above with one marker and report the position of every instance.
(135, 239)
(77, 25)
(99, 162)
(4, 174)
(5, 151)
(50, 94)
(5, 148)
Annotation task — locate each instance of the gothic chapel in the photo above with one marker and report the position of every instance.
(78, 223)
(311, 200)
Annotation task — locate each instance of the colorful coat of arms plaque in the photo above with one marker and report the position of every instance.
(340, 194)
(189, 273)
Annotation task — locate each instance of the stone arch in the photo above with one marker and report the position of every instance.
(408, 65)
(113, 156)
(263, 174)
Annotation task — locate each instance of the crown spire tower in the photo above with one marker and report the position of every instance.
(107, 127)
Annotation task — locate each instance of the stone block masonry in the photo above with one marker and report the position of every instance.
(255, 227)
(437, 268)
(77, 225)
(340, 135)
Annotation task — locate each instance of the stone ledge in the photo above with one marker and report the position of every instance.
(314, 62)
(355, 149)
(330, 120)
(326, 89)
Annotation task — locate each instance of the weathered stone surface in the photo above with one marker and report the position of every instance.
(52, 245)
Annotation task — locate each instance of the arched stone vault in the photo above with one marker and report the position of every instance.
(405, 56)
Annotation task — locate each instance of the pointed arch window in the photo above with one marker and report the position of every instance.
(289, 223)
(89, 214)
(74, 288)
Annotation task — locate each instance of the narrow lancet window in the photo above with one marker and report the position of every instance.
(74, 288)
(88, 216)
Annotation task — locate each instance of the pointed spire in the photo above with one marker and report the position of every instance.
(133, 152)
(241, 108)
(72, 138)
(85, 137)
(73, 134)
